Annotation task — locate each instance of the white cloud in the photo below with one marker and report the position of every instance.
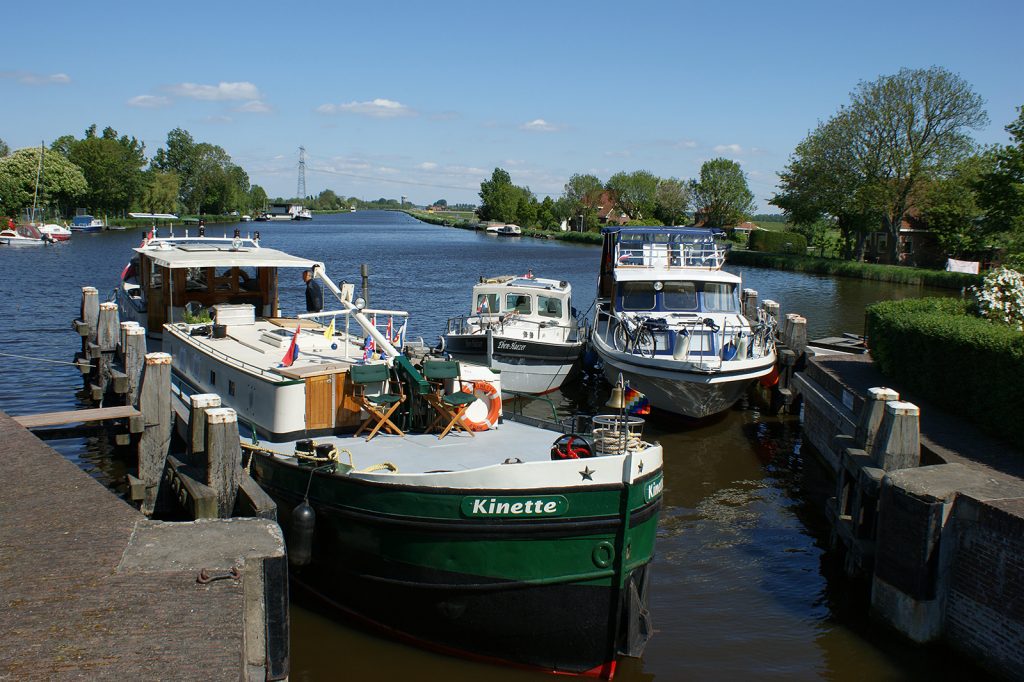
(728, 149)
(149, 102)
(218, 119)
(427, 165)
(378, 108)
(254, 107)
(242, 90)
(29, 78)
(539, 125)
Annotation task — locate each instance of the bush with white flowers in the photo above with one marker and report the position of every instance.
(1001, 297)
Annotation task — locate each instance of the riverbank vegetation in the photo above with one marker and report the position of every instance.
(938, 348)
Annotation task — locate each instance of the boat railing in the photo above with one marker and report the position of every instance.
(688, 337)
(703, 255)
(501, 322)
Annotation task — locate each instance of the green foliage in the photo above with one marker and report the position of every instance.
(1001, 189)
(634, 193)
(721, 197)
(62, 185)
(209, 181)
(672, 201)
(582, 197)
(160, 194)
(4, 149)
(112, 166)
(949, 207)
(933, 349)
(778, 242)
(897, 274)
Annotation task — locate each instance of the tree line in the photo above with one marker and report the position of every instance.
(719, 197)
(109, 174)
(900, 152)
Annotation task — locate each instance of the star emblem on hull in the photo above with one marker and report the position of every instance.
(588, 473)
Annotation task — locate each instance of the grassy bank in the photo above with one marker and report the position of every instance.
(896, 274)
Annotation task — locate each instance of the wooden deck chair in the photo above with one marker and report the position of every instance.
(379, 407)
(448, 407)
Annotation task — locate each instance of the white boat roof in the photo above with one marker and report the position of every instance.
(510, 282)
(206, 255)
(644, 274)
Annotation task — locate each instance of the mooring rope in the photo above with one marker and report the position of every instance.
(37, 359)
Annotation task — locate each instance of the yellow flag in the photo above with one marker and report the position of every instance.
(329, 332)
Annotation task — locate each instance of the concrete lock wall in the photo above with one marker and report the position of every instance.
(985, 604)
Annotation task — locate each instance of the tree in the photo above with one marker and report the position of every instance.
(671, 201)
(1001, 189)
(499, 198)
(828, 178)
(442, 203)
(634, 193)
(546, 217)
(160, 194)
(4, 149)
(582, 196)
(112, 166)
(62, 184)
(257, 198)
(721, 197)
(949, 207)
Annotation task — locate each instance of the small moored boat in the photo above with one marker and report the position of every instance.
(524, 327)
(86, 223)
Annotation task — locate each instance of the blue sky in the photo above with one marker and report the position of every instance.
(426, 99)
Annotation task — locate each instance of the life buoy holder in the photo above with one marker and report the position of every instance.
(490, 393)
(571, 446)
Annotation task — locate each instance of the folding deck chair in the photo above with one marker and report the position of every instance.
(448, 407)
(379, 407)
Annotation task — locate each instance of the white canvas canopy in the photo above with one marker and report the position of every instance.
(206, 256)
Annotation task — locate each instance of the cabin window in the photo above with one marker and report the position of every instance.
(195, 279)
(517, 303)
(549, 307)
(719, 297)
(156, 277)
(487, 304)
(637, 295)
(680, 296)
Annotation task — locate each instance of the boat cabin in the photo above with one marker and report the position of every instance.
(530, 298)
(166, 277)
(657, 253)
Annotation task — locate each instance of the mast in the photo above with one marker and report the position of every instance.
(35, 190)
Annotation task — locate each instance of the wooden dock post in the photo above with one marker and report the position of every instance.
(155, 406)
(797, 339)
(898, 444)
(749, 304)
(108, 327)
(770, 307)
(134, 359)
(224, 457)
(199, 403)
(90, 312)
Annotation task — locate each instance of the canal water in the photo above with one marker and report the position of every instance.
(742, 587)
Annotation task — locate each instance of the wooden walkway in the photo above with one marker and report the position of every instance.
(35, 421)
(93, 590)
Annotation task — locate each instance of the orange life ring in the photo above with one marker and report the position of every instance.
(493, 410)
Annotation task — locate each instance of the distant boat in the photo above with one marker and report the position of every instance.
(86, 223)
(504, 230)
(246, 218)
(351, 209)
(57, 233)
(23, 235)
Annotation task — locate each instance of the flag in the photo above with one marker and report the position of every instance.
(396, 340)
(388, 335)
(636, 402)
(292, 354)
(369, 346)
(329, 332)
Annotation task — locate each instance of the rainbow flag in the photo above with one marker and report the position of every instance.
(292, 354)
(636, 402)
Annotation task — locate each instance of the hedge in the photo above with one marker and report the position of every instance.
(897, 274)
(933, 348)
(777, 242)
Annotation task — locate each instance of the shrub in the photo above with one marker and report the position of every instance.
(778, 242)
(932, 347)
(1001, 297)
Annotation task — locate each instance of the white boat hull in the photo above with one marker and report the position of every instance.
(679, 387)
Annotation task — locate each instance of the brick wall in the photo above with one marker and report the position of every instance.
(985, 605)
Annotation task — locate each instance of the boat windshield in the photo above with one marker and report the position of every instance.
(548, 306)
(637, 295)
(518, 303)
(486, 303)
(719, 297)
(680, 296)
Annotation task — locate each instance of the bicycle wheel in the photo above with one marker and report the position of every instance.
(645, 344)
(620, 339)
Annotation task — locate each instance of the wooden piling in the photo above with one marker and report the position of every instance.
(155, 405)
(898, 444)
(224, 457)
(108, 327)
(770, 307)
(871, 413)
(90, 311)
(199, 403)
(749, 304)
(134, 353)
